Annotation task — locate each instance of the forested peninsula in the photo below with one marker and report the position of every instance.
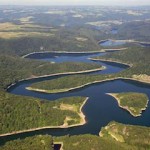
(133, 102)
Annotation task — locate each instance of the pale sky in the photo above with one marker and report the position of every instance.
(75, 2)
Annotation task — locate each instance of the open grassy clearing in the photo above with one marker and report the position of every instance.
(9, 30)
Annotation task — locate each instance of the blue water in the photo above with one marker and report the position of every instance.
(99, 110)
(76, 57)
(145, 45)
(109, 43)
(64, 57)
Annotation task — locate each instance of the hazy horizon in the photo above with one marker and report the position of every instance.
(78, 2)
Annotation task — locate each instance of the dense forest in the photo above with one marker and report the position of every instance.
(65, 83)
(40, 142)
(88, 142)
(13, 69)
(132, 135)
(131, 101)
(22, 113)
(138, 57)
(138, 30)
(64, 40)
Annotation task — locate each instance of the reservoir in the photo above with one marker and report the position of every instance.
(99, 110)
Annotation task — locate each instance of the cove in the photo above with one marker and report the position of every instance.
(99, 110)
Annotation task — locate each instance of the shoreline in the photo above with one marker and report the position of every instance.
(74, 88)
(90, 83)
(82, 52)
(126, 108)
(114, 40)
(80, 113)
(114, 49)
(59, 52)
(113, 61)
(127, 41)
(56, 74)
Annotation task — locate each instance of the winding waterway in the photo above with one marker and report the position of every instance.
(99, 110)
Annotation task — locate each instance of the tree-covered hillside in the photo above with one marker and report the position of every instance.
(136, 136)
(138, 57)
(20, 113)
(13, 69)
(39, 142)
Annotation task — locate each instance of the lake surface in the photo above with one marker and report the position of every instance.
(145, 44)
(110, 43)
(99, 110)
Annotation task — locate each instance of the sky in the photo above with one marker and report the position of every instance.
(75, 2)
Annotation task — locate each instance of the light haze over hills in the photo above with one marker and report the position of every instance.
(76, 2)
